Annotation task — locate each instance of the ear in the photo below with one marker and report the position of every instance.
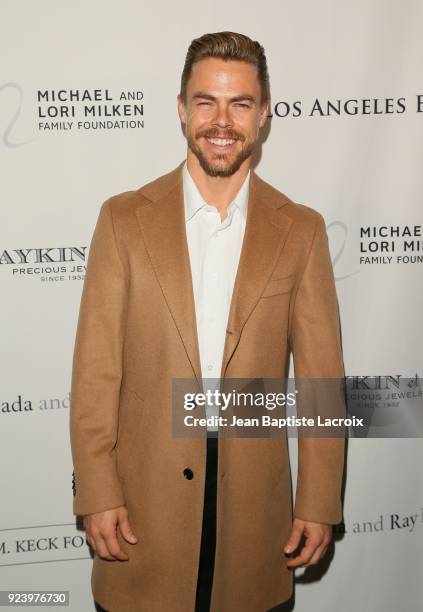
(264, 112)
(181, 109)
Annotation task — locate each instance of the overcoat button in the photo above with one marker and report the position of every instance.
(188, 474)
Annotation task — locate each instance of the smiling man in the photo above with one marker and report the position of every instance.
(206, 273)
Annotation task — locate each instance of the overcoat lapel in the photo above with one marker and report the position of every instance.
(266, 231)
(163, 228)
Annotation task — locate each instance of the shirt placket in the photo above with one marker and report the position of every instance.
(214, 300)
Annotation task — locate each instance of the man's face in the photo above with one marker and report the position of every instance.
(223, 114)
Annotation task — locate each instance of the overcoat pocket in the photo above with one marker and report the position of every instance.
(276, 286)
(128, 432)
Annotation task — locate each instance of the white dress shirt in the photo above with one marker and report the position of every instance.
(214, 250)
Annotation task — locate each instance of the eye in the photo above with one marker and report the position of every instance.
(242, 105)
(203, 103)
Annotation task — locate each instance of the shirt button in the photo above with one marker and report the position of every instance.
(188, 474)
(210, 367)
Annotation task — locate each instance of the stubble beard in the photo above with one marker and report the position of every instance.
(215, 168)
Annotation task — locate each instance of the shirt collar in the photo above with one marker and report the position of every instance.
(193, 200)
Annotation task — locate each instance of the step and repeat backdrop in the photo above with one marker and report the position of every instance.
(88, 109)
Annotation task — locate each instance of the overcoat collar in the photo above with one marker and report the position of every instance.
(162, 224)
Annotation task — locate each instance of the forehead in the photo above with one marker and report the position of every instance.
(218, 76)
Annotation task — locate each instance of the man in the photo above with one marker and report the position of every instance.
(207, 271)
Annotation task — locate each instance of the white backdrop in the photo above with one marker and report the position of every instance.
(361, 169)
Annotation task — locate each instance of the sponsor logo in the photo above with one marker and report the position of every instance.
(348, 107)
(48, 264)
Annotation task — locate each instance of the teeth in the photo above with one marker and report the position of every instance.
(220, 141)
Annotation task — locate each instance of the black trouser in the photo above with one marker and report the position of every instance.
(208, 535)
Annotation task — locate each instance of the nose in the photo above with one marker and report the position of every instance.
(222, 117)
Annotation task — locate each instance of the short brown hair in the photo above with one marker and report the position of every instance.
(228, 46)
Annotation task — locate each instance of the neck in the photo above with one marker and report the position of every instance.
(218, 191)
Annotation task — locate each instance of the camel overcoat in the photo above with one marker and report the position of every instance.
(137, 332)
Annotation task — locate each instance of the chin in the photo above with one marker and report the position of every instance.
(222, 171)
(220, 164)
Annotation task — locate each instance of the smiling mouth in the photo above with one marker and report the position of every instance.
(222, 143)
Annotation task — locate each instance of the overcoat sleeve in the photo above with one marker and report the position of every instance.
(317, 353)
(97, 372)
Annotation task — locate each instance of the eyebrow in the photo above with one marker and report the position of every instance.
(206, 96)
